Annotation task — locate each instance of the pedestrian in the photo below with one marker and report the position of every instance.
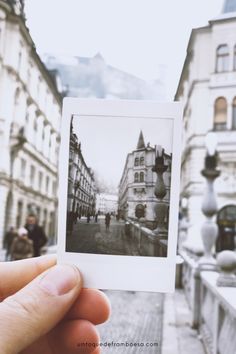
(88, 218)
(107, 221)
(22, 246)
(7, 241)
(96, 217)
(76, 217)
(36, 234)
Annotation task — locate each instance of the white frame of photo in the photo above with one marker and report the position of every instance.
(137, 273)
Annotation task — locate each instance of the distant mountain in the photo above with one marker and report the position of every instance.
(92, 77)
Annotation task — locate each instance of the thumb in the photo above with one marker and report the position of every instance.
(37, 308)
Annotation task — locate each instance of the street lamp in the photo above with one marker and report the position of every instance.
(209, 205)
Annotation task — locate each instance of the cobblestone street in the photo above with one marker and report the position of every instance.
(136, 318)
(94, 238)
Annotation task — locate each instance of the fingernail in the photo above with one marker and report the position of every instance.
(60, 279)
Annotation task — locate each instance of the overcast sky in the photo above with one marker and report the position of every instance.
(147, 38)
(106, 141)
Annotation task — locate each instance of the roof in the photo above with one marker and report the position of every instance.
(141, 143)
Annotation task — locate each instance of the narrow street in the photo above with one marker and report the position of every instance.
(93, 237)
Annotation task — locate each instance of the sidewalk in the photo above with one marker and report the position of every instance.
(178, 336)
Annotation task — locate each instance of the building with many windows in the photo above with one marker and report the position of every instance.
(81, 182)
(106, 203)
(136, 188)
(207, 87)
(30, 111)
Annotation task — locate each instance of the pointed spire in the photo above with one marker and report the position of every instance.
(141, 143)
(229, 6)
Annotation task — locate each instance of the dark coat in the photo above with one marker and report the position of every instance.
(21, 248)
(37, 235)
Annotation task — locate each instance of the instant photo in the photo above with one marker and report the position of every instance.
(119, 184)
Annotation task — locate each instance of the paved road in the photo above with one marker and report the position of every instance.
(136, 318)
(94, 238)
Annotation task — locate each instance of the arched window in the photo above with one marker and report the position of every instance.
(142, 161)
(222, 58)
(141, 177)
(136, 161)
(234, 114)
(136, 177)
(235, 57)
(220, 114)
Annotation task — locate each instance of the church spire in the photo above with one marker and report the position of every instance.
(141, 143)
(229, 6)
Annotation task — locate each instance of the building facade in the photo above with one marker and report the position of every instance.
(207, 88)
(107, 203)
(30, 111)
(81, 182)
(137, 184)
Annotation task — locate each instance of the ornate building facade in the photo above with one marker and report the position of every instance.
(207, 87)
(137, 184)
(81, 182)
(30, 111)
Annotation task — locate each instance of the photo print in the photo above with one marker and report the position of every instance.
(118, 184)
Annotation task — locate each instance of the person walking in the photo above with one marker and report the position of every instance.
(36, 234)
(88, 218)
(22, 246)
(107, 221)
(7, 242)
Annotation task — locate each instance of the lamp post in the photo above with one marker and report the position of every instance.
(160, 192)
(209, 205)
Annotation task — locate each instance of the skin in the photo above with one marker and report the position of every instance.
(31, 220)
(44, 309)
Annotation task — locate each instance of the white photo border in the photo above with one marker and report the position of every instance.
(138, 273)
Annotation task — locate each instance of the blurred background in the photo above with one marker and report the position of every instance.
(173, 50)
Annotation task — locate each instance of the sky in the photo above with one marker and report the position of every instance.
(147, 38)
(106, 141)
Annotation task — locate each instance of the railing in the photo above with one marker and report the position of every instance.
(148, 243)
(217, 315)
(213, 308)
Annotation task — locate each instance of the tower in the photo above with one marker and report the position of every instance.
(141, 143)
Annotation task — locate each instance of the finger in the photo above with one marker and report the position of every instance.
(15, 275)
(91, 305)
(74, 337)
(37, 308)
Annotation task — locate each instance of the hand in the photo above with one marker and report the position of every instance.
(43, 309)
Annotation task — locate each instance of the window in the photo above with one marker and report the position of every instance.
(22, 169)
(19, 213)
(136, 177)
(222, 58)
(234, 114)
(235, 57)
(141, 177)
(40, 180)
(220, 114)
(142, 161)
(136, 161)
(47, 184)
(54, 188)
(32, 175)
